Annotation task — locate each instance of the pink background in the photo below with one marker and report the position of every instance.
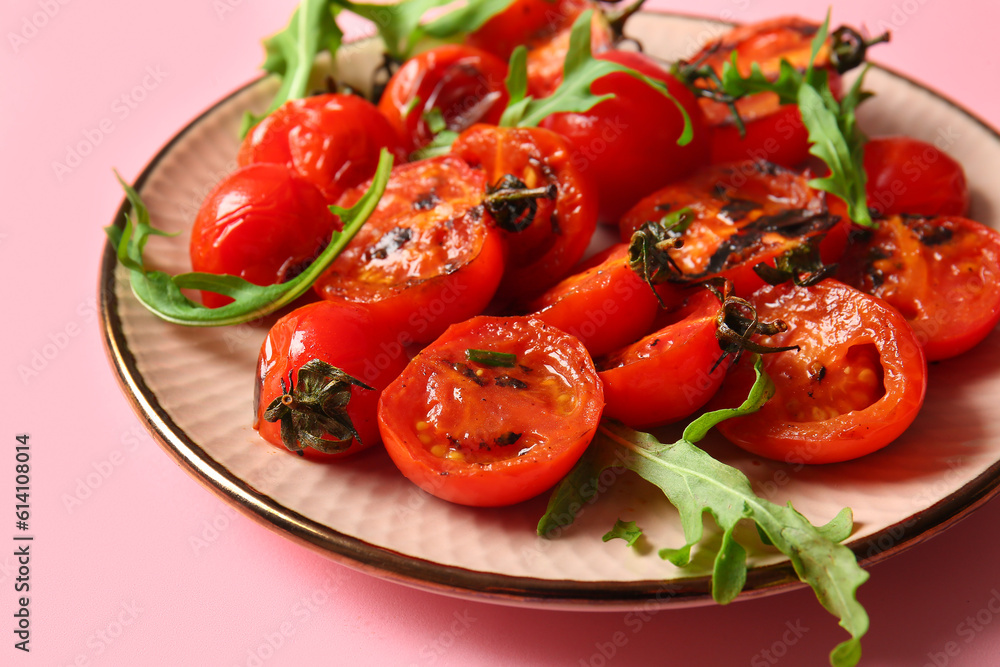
(150, 568)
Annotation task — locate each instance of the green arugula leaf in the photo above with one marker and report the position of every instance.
(161, 293)
(399, 24)
(834, 135)
(696, 483)
(291, 53)
(580, 70)
(624, 530)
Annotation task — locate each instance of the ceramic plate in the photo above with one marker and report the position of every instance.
(195, 387)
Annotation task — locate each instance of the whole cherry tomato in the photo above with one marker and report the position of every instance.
(428, 256)
(774, 132)
(627, 145)
(464, 84)
(496, 411)
(939, 272)
(527, 22)
(333, 141)
(604, 303)
(319, 375)
(741, 215)
(546, 59)
(261, 223)
(668, 374)
(553, 234)
(855, 383)
(907, 175)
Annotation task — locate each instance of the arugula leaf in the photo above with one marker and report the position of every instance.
(580, 70)
(834, 135)
(696, 483)
(291, 53)
(624, 530)
(161, 293)
(400, 26)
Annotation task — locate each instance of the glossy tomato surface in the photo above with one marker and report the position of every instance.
(560, 229)
(427, 257)
(527, 22)
(941, 273)
(491, 435)
(604, 303)
(854, 385)
(774, 132)
(546, 59)
(744, 214)
(627, 145)
(464, 84)
(909, 176)
(342, 336)
(333, 141)
(261, 223)
(668, 374)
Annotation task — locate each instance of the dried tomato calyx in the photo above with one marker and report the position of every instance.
(313, 411)
(513, 204)
(737, 323)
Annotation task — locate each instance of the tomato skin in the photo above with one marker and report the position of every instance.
(774, 132)
(342, 336)
(856, 383)
(546, 59)
(939, 272)
(476, 439)
(906, 175)
(528, 22)
(539, 256)
(628, 145)
(428, 256)
(668, 374)
(605, 304)
(332, 141)
(464, 83)
(261, 223)
(740, 206)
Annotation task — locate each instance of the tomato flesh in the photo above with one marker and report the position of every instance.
(939, 272)
(483, 435)
(854, 385)
(428, 256)
(560, 231)
(909, 176)
(744, 214)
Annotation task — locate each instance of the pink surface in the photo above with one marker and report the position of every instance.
(135, 563)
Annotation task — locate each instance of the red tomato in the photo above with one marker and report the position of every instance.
(910, 176)
(546, 59)
(464, 83)
(744, 214)
(261, 223)
(333, 141)
(528, 22)
(854, 385)
(774, 132)
(940, 273)
(428, 256)
(487, 435)
(541, 254)
(345, 338)
(668, 374)
(627, 145)
(605, 304)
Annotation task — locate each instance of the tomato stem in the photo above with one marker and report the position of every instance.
(513, 204)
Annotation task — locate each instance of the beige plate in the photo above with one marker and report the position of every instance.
(194, 386)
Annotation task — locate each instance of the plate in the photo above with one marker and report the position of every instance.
(194, 388)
